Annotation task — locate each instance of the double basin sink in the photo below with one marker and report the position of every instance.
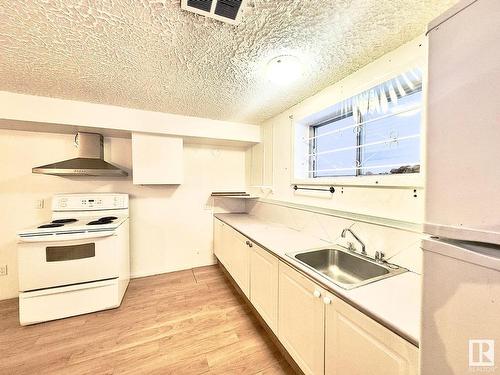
(345, 268)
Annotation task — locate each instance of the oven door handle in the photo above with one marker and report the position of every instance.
(68, 236)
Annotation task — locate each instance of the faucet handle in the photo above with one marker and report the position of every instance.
(350, 246)
(380, 256)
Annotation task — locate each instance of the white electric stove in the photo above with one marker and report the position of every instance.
(78, 262)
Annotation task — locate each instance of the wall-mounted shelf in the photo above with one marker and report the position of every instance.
(233, 195)
(236, 197)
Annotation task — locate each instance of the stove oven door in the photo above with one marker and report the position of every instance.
(67, 261)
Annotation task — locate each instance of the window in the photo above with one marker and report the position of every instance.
(374, 133)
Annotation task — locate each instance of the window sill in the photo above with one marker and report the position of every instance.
(414, 180)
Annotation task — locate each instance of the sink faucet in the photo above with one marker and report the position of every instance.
(344, 232)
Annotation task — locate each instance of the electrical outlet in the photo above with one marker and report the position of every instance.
(3, 270)
(39, 204)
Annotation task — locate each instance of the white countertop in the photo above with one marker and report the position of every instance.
(394, 302)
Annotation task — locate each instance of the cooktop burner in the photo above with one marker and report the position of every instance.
(107, 218)
(51, 225)
(103, 220)
(63, 221)
(99, 222)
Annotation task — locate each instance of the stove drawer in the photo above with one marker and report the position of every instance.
(57, 303)
(51, 264)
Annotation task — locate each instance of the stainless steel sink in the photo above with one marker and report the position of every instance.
(344, 268)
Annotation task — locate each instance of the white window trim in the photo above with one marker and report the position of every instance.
(409, 180)
(404, 180)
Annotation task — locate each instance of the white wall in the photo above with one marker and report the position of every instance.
(272, 160)
(171, 227)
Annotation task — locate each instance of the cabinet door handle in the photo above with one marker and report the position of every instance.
(250, 244)
(317, 293)
(327, 301)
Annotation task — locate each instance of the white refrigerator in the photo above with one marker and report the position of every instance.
(461, 268)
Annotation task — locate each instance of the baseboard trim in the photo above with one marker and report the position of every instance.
(138, 275)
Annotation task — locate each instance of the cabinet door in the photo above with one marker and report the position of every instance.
(357, 345)
(256, 167)
(224, 244)
(301, 319)
(264, 285)
(157, 159)
(218, 227)
(238, 259)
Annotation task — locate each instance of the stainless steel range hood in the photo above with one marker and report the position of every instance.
(90, 160)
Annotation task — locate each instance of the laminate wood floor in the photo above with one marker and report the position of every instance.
(187, 322)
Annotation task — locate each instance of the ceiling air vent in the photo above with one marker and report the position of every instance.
(229, 11)
(203, 5)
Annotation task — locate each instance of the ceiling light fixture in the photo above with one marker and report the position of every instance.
(284, 69)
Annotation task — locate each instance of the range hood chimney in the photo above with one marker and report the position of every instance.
(90, 160)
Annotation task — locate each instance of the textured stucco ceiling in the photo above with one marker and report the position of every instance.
(149, 54)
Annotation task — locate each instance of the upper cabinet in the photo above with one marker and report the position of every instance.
(260, 160)
(156, 159)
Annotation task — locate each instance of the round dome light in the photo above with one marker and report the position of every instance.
(284, 69)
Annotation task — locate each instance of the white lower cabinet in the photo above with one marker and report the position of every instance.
(233, 252)
(239, 261)
(322, 333)
(218, 241)
(264, 285)
(301, 319)
(357, 345)
(222, 242)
